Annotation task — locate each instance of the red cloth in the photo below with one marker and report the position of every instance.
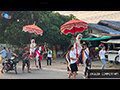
(39, 55)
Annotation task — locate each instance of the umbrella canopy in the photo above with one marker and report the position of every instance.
(73, 26)
(33, 29)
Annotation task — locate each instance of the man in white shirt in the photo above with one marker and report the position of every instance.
(49, 56)
(102, 56)
(73, 60)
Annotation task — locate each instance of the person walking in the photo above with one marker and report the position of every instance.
(73, 62)
(49, 55)
(102, 56)
(86, 56)
(3, 54)
(25, 55)
(38, 57)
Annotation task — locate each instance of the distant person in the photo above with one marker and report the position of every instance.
(3, 54)
(49, 55)
(102, 56)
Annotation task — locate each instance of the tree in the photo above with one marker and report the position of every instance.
(11, 30)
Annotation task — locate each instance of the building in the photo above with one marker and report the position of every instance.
(101, 29)
(104, 28)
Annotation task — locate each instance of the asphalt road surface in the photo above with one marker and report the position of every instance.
(45, 73)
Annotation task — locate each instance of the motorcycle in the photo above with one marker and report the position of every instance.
(11, 64)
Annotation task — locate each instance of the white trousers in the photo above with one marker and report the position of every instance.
(37, 60)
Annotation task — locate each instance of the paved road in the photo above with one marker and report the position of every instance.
(56, 71)
(45, 73)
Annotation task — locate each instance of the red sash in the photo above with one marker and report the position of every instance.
(39, 55)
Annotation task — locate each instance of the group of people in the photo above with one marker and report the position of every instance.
(77, 53)
(35, 51)
(6, 55)
(74, 56)
(81, 55)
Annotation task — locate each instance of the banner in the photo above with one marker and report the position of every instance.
(106, 73)
(54, 52)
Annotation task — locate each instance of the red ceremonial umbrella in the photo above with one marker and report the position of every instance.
(33, 29)
(73, 26)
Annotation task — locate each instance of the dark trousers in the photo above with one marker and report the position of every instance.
(86, 69)
(49, 58)
(40, 64)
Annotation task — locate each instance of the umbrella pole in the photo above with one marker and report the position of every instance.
(76, 46)
(30, 40)
(29, 44)
(76, 52)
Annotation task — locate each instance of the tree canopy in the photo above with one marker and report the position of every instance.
(11, 29)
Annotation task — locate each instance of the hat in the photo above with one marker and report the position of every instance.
(96, 48)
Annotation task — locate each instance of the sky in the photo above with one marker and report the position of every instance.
(94, 16)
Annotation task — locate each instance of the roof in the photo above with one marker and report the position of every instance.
(115, 41)
(103, 28)
(102, 34)
(113, 24)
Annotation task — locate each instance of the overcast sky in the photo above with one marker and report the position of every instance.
(94, 16)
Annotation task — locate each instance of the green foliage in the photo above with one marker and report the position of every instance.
(11, 30)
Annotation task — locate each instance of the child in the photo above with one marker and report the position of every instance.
(73, 60)
(38, 57)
